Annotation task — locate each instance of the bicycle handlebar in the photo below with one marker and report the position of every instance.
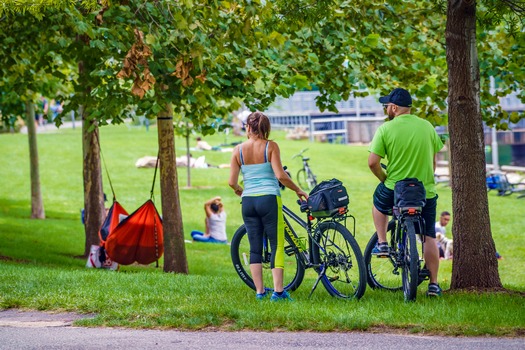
(300, 153)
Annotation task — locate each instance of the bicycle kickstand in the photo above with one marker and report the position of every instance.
(321, 274)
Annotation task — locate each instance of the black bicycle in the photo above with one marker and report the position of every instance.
(305, 177)
(327, 246)
(404, 257)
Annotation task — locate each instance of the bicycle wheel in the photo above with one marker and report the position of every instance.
(381, 271)
(302, 180)
(409, 268)
(240, 253)
(310, 179)
(337, 252)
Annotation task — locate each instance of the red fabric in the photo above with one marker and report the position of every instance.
(111, 221)
(139, 237)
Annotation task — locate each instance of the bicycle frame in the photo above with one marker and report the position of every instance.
(309, 226)
(310, 178)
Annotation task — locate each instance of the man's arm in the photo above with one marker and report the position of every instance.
(374, 163)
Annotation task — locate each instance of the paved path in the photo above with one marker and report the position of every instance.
(38, 330)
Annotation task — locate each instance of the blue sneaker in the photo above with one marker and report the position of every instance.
(434, 290)
(284, 295)
(261, 296)
(381, 249)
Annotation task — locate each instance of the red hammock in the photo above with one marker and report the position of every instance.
(111, 221)
(139, 237)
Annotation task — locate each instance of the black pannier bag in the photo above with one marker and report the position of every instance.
(409, 192)
(327, 198)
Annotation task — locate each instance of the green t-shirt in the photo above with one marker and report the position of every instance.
(410, 144)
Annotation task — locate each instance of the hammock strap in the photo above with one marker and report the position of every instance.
(154, 176)
(105, 167)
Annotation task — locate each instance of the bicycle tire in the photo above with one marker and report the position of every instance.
(380, 271)
(337, 250)
(240, 254)
(302, 180)
(410, 266)
(311, 180)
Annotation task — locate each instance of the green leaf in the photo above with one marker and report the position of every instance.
(372, 40)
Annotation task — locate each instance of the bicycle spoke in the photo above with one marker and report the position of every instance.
(382, 272)
(240, 253)
(340, 256)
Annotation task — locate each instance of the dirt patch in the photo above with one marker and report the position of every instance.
(481, 290)
(7, 258)
(21, 318)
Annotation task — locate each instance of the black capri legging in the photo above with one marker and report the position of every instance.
(264, 214)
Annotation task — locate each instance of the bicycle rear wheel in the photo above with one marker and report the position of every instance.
(240, 253)
(337, 252)
(311, 179)
(381, 271)
(410, 273)
(302, 180)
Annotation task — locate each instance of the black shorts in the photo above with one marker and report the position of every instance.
(384, 202)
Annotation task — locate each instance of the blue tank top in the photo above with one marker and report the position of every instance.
(259, 179)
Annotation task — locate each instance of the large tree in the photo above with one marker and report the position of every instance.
(473, 244)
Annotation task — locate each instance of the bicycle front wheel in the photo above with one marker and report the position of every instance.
(410, 273)
(338, 257)
(240, 253)
(302, 180)
(382, 272)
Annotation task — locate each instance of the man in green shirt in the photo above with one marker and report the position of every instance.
(410, 145)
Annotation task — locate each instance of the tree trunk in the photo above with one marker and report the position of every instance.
(188, 156)
(174, 249)
(94, 211)
(475, 264)
(37, 205)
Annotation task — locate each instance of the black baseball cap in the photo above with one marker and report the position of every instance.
(399, 97)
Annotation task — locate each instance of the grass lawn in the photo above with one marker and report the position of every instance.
(39, 269)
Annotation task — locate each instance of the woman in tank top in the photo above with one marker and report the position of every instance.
(259, 160)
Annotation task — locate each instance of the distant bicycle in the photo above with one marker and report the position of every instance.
(305, 177)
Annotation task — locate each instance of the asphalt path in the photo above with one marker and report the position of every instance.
(39, 330)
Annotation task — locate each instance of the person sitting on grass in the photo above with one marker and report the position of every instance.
(215, 223)
(445, 244)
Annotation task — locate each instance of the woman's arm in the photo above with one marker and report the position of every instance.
(282, 176)
(207, 205)
(235, 168)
